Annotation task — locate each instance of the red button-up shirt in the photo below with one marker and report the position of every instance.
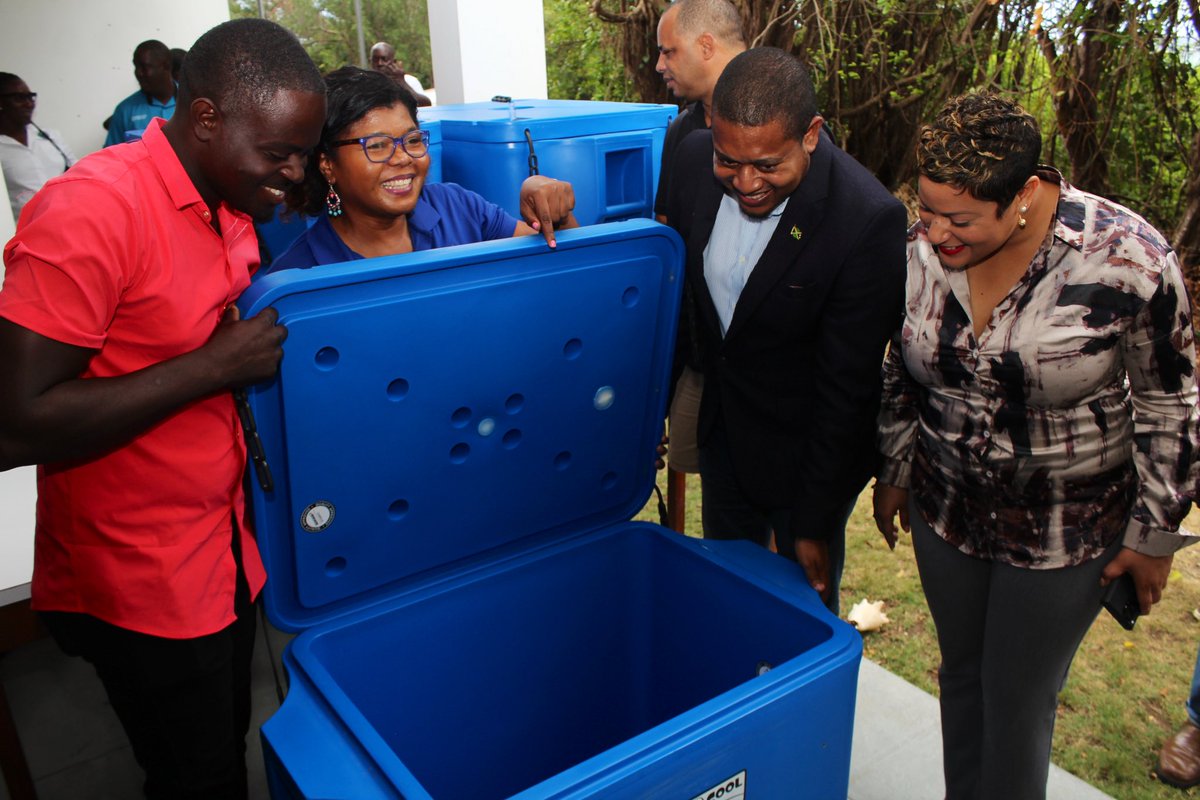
(119, 256)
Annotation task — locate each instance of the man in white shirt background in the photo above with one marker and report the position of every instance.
(383, 59)
(29, 155)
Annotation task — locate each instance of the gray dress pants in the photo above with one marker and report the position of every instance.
(1007, 637)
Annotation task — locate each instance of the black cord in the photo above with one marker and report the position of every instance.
(42, 134)
(662, 507)
(533, 164)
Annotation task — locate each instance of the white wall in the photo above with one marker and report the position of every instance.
(7, 224)
(482, 48)
(78, 54)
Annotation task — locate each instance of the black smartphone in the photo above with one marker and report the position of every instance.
(1121, 600)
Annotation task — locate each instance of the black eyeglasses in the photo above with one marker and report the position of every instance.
(28, 97)
(380, 147)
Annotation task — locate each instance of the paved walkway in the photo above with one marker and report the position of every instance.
(898, 745)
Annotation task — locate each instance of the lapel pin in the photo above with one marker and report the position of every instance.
(796, 233)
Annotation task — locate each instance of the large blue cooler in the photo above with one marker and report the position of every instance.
(610, 152)
(434, 127)
(457, 440)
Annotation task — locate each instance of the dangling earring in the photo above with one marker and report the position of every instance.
(334, 204)
(1020, 219)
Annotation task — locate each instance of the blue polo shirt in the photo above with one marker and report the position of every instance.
(133, 114)
(446, 214)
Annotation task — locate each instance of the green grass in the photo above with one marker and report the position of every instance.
(1126, 691)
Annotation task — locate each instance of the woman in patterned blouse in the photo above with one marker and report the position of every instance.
(1039, 428)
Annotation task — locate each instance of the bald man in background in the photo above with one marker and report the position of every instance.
(696, 39)
(383, 59)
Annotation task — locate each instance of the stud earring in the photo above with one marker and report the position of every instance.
(334, 204)
(1021, 222)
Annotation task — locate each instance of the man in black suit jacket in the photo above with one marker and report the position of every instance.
(796, 260)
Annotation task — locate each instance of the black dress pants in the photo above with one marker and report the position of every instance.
(184, 703)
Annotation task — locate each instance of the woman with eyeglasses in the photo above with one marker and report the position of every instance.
(29, 155)
(366, 184)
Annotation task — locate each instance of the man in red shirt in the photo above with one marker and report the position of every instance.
(121, 346)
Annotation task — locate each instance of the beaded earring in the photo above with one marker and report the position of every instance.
(1021, 222)
(334, 203)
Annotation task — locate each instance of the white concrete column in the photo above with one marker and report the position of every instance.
(482, 48)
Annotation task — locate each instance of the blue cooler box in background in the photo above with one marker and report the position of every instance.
(610, 152)
(435, 148)
(456, 441)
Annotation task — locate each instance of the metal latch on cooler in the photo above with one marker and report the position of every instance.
(254, 446)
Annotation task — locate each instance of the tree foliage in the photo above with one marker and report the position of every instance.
(329, 31)
(580, 55)
(1116, 83)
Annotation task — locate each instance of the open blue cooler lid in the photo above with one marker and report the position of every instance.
(496, 122)
(439, 409)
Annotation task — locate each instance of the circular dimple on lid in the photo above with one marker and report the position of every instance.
(327, 358)
(397, 390)
(398, 509)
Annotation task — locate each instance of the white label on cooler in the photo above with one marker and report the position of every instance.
(732, 788)
(317, 516)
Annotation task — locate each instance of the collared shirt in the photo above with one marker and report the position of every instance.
(28, 167)
(119, 256)
(414, 83)
(133, 114)
(690, 119)
(1072, 419)
(446, 214)
(737, 242)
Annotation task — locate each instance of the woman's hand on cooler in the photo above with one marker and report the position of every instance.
(888, 501)
(547, 205)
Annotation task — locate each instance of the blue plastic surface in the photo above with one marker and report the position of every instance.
(280, 231)
(435, 148)
(442, 404)
(610, 152)
(620, 664)
(457, 440)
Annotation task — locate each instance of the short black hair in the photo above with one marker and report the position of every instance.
(351, 94)
(983, 143)
(161, 52)
(7, 79)
(244, 63)
(177, 56)
(765, 84)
